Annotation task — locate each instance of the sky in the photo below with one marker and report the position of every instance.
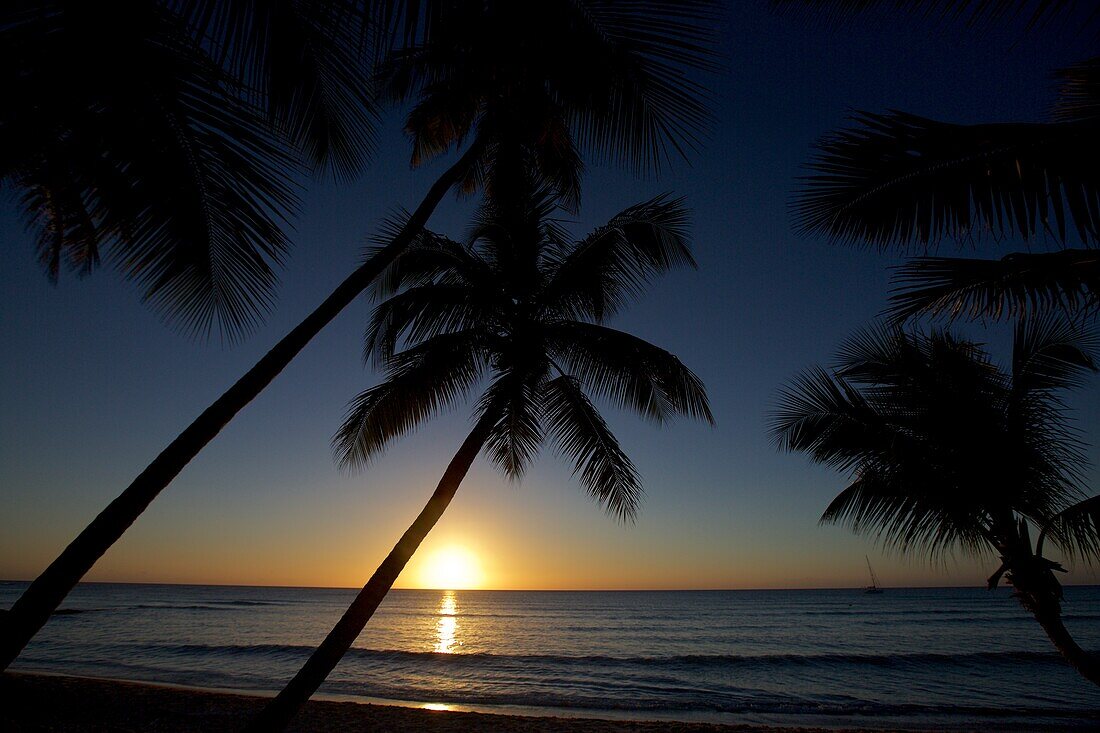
(93, 386)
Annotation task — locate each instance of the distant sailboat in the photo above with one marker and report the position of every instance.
(873, 587)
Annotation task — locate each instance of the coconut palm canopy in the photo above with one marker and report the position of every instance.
(167, 139)
(557, 80)
(945, 449)
(516, 315)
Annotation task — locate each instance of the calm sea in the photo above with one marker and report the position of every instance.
(945, 658)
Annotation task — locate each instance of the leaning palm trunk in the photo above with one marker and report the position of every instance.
(46, 593)
(1086, 664)
(279, 711)
(1039, 593)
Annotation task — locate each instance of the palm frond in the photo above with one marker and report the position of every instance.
(899, 179)
(1014, 286)
(1076, 530)
(822, 415)
(55, 209)
(635, 63)
(898, 513)
(435, 286)
(893, 365)
(581, 434)
(629, 371)
(306, 63)
(1052, 354)
(144, 144)
(514, 440)
(420, 382)
(597, 276)
(214, 259)
(430, 258)
(418, 314)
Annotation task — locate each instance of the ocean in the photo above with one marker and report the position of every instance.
(946, 658)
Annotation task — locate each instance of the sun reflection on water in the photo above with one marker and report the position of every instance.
(447, 625)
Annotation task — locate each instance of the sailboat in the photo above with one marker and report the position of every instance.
(873, 587)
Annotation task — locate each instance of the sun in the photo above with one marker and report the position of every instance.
(452, 568)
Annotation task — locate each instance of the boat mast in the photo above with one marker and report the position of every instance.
(874, 580)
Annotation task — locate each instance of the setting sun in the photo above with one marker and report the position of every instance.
(452, 568)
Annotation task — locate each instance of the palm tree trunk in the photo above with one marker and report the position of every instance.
(286, 704)
(45, 594)
(1048, 612)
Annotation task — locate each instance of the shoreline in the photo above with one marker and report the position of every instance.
(43, 701)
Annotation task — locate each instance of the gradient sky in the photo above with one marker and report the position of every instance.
(92, 386)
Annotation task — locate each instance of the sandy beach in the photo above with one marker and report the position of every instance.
(37, 703)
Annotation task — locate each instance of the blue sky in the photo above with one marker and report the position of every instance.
(92, 386)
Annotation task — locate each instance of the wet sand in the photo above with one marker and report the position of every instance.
(30, 702)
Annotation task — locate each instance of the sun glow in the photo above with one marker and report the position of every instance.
(453, 568)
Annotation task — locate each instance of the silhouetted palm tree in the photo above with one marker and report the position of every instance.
(612, 79)
(897, 179)
(514, 315)
(947, 452)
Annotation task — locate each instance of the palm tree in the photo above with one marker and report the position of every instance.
(947, 452)
(612, 79)
(897, 179)
(516, 315)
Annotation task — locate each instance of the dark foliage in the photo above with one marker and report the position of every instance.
(545, 80)
(945, 449)
(164, 139)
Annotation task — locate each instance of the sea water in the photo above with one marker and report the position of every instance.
(959, 658)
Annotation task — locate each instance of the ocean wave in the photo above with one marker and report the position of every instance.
(213, 604)
(698, 660)
(747, 702)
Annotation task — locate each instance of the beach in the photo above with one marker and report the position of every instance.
(33, 702)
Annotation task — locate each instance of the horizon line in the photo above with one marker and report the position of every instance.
(540, 590)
